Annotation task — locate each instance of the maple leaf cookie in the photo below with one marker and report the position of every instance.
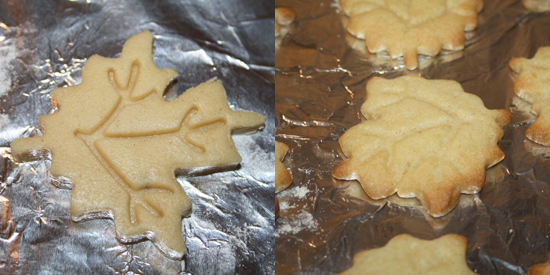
(533, 85)
(411, 27)
(120, 143)
(405, 254)
(423, 138)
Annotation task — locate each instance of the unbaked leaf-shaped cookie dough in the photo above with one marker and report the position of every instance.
(423, 138)
(120, 143)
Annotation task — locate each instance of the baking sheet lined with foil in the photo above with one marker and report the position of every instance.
(320, 78)
(45, 44)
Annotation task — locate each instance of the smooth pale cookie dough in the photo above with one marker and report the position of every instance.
(533, 85)
(423, 138)
(411, 27)
(282, 176)
(405, 255)
(120, 143)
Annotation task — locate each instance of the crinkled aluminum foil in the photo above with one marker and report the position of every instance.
(320, 77)
(44, 45)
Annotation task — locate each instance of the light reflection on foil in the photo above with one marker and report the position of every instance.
(44, 45)
(321, 73)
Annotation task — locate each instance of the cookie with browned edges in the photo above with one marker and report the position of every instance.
(408, 28)
(423, 138)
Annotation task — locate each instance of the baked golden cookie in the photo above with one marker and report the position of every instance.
(533, 85)
(283, 17)
(120, 143)
(404, 255)
(353, 188)
(282, 176)
(537, 5)
(411, 27)
(423, 138)
(540, 269)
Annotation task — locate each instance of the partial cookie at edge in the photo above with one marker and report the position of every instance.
(283, 178)
(408, 31)
(407, 255)
(533, 85)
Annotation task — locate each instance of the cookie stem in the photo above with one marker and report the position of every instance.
(411, 59)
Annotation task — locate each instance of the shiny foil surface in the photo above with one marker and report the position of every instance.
(44, 45)
(320, 79)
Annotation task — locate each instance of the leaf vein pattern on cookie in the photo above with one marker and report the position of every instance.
(423, 138)
(121, 143)
(411, 27)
